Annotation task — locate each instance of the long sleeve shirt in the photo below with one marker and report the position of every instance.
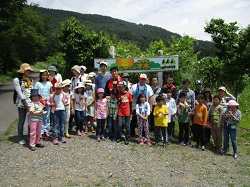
(113, 107)
(232, 120)
(200, 115)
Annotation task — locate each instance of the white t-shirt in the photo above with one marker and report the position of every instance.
(80, 100)
(59, 103)
(58, 77)
(141, 89)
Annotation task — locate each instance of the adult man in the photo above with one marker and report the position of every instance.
(138, 88)
(222, 91)
(198, 89)
(112, 83)
(156, 92)
(169, 85)
(102, 78)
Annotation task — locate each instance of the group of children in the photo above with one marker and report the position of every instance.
(55, 103)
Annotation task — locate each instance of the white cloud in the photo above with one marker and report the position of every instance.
(179, 16)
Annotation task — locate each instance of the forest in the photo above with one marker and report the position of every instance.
(32, 34)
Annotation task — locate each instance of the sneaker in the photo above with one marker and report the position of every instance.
(114, 140)
(102, 138)
(55, 142)
(32, 148)
(149, 143)
(67, 135)
(63, 140)
(22, 142)
(79, 133)
(203, 148)
(124, 137)
(156, 144)
(189, 144)
(98, 139)
(46, 134)
(118, 140)
(182, 143)
(141, 142)
(164, 146)
(40, 145)
(223, 152)
(83, 134)
(236, 155)
(126, 142)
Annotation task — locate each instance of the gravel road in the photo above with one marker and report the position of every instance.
(84, 162)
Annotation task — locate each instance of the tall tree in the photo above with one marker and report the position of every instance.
(232, 48)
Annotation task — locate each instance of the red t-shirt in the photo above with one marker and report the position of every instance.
(124, 107)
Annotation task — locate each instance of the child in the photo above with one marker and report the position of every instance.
(124, 111)
(35, 120)
(208, 101)
(161, 124)
(45, 89)
(112, 117)
(231, 117)
(52, 76)
(90, 100)
(214, 118)
(66, 84)
(58, 101)
(101, 113)
(200, 121)
(171, 105)
(183, 110)
(142, 112)
(78, 107)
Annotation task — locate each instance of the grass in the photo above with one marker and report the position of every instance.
(8, 77)
(11, 130)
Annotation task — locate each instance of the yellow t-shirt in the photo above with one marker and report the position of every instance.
(161, 120)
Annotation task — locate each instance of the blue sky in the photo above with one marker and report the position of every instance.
(185, 17)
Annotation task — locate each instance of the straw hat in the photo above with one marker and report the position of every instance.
(24, 67)
(66, 82)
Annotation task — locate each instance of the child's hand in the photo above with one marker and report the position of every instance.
(73, 112)
(114, 118)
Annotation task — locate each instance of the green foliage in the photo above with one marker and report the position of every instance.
(81, 45)
(233, 52)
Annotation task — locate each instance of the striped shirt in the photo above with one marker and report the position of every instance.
(113, 107)
(36, 107)
(232, 120)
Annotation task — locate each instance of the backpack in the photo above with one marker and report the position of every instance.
(15, 93)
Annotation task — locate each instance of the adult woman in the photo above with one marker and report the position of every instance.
(23, 85)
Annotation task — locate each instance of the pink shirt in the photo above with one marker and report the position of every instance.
(101, 112)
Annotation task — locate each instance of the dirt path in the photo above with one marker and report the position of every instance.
(84, 162)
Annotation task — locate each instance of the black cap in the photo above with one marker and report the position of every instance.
(94, 69)
(198, 82)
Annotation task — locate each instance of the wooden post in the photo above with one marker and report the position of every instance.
(112, 51)
(160, 73)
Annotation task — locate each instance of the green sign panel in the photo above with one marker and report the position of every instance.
(167, 63)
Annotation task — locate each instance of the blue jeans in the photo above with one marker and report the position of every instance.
(22, 116)
(46, 120)
(58, 119)
(112, 127)
(79, 117)
(127, 125)
(230, 129)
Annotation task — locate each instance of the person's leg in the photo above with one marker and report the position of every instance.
(146, 130)
(202, 135)
(115, 130)
(133, 123)
(81, 121)
(102, 126)
(170, 129)
(214, 136)
(71, 121)
(187, 132)
(55, 125)
(173, 129)
(119, 133)
(109, 124)
(38, 132)
(32, 125)
(226, 137)
(157, 134)
(233, 132)
(67, 116)
(46, 120)
(22, 116)
(127, 120)
(164, 134)
(219, 137)
(195, 132)
(61, 117)
(140, 126)
(98, 127)
(78, 120)
(181, 129)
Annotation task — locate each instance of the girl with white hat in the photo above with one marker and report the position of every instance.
(231, 118)
(78, 107)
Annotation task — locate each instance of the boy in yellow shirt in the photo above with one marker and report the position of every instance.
(160, 115)
(200, 121)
